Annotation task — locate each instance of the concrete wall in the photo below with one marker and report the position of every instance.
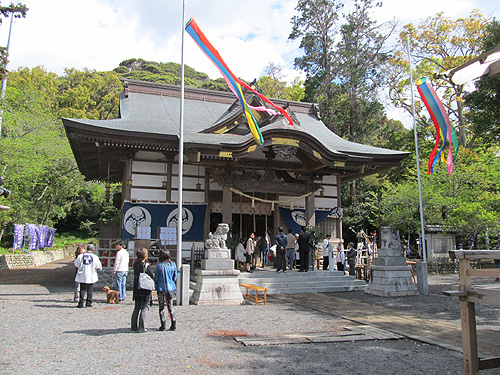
(35, 258)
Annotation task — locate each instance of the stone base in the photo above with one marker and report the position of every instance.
(217, 287)
(387, 281)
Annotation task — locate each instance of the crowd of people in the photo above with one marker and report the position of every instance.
(290, 250)
(287, 250)
(164, 276)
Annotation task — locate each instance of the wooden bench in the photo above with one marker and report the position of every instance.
(468, 296)
(255, 297)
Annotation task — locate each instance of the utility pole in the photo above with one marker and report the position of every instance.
(4, 81)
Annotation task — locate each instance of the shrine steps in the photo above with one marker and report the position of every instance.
(301, 282)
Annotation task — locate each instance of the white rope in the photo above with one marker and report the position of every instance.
(273, 202)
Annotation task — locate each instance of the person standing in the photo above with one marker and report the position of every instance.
(304, 249)
(340, 258)
(87, 263)
(120, 270)
(264, 249)
(250, 250)
(239, 254)
(327, 248)
(351, 258)
(166, 289)
(281, 245)
(290, 249)
(79, 250)
(142, 297)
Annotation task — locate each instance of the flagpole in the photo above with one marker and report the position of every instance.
(423, 287)
(4, 81)
(181, 151)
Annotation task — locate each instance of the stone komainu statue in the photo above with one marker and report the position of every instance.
(218, 239)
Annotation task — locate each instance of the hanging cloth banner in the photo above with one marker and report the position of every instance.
(442, 124)
(18, 236)
(296, 219)
(233, 82)
(163, 215)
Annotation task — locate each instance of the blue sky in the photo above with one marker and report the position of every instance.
(99, 34)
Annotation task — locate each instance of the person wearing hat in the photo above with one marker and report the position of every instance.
(120, 269)
(351, 258)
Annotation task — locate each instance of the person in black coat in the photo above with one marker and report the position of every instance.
(281, 242)
(351, 258)
(142, 297)
(304, 249)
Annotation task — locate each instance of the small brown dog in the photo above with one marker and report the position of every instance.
(112, 295)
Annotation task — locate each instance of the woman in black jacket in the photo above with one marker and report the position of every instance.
(142, 297)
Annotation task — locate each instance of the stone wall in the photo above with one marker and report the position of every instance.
(35, 258)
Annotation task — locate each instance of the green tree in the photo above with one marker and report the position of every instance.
(358, 64)
(38, 165)
(315, 27)
(272, 85)
(467, 202)
(89, 94)
(35, 156)
(484, 102)
(438, 44)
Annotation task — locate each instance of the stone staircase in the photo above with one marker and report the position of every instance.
(301, 282)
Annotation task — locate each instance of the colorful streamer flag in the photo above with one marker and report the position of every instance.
(443, 126)
(233, 82)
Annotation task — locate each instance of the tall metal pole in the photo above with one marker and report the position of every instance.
(181, 146)
(423, 287)
(183, 279)
(4, 81)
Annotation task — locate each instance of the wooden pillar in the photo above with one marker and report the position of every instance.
(468, 320)
(310, 214)
(339, 204)
(227, 206)
(126, 188)
(206, 225)
(276, 221)
(168, 194)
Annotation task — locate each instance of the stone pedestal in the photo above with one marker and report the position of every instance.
(390, 276)
(217, 280)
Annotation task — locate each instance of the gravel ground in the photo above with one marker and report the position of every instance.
(42, 332)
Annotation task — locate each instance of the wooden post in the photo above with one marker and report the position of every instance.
(468, 320)
(310, 214)
(227, 206)
(168, 192)
(206, 226)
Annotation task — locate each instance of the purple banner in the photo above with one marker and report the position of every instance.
(49, 240)
(32, 237)
(18, 236)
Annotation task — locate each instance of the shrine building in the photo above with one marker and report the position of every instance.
(293, 179)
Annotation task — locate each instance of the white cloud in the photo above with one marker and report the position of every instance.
(99, 34)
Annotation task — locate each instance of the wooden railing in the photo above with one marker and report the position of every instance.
(469, 295)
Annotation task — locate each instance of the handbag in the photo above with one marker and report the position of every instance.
(145, 281)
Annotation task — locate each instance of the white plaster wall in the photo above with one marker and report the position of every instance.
(189, 196)
(147, 180)
(145, 166)
(148, 194)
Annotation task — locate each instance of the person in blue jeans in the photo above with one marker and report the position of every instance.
(166, 289)
(120, 269)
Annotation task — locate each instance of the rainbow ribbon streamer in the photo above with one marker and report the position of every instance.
(443, 126)
(233, 82)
